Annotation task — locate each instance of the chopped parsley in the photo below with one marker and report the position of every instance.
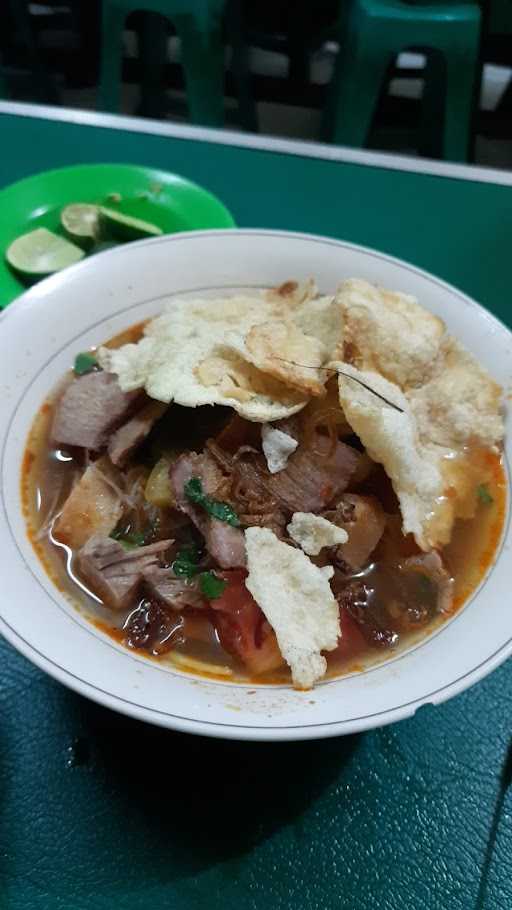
(85, 363)
(484, 495)
(220, 510)
(211, 586)
(186, 566)
(186, 563)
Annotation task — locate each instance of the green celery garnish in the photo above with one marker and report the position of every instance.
(211, 586)
(186, 563)
(85, 363)
(220, 510)
(484, 495)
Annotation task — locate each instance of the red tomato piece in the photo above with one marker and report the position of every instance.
(241, 625)
(351, 641)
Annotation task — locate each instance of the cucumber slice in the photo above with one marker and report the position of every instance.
(81, 222)
(124, 227)
(40, 253)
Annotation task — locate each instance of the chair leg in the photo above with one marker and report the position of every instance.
(45, 89)
(430, 132)
(461, 83)
(109, 89)
(153, 57)
(241, 67)
(354, 91)
(202, 59)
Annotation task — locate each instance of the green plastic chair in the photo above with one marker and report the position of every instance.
(371, 34)
(43, 83)
(199, 27)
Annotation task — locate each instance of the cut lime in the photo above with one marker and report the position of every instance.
(40, 253)
(124, 227)
(81, 222)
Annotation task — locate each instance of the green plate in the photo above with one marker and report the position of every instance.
(169, 201)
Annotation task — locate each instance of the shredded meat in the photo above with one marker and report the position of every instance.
(176, 593)
(224, 542)
(254, 506)
(316, 473)
(115, 573)
(94, 506)
(310, 480)
(91, 408)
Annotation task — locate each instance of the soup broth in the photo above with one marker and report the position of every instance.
(387, 603)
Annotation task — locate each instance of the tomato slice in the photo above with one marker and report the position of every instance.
(241, 625)
(351, 641)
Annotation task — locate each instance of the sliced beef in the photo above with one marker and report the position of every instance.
(94, 506)
(224, 542)
(363, 518)
(114, 573)
(213, 480)
(313, 476)
(173, 592)
(433, 582)
(131, 434)
(91, 408)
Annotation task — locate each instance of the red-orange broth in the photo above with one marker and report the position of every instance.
(47, 477)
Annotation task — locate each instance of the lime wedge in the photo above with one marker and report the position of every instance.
(81, 222)
(124, 227)
(40, 253)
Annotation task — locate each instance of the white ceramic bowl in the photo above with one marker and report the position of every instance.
(39, 337)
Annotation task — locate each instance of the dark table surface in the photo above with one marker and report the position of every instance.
(99, 812)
